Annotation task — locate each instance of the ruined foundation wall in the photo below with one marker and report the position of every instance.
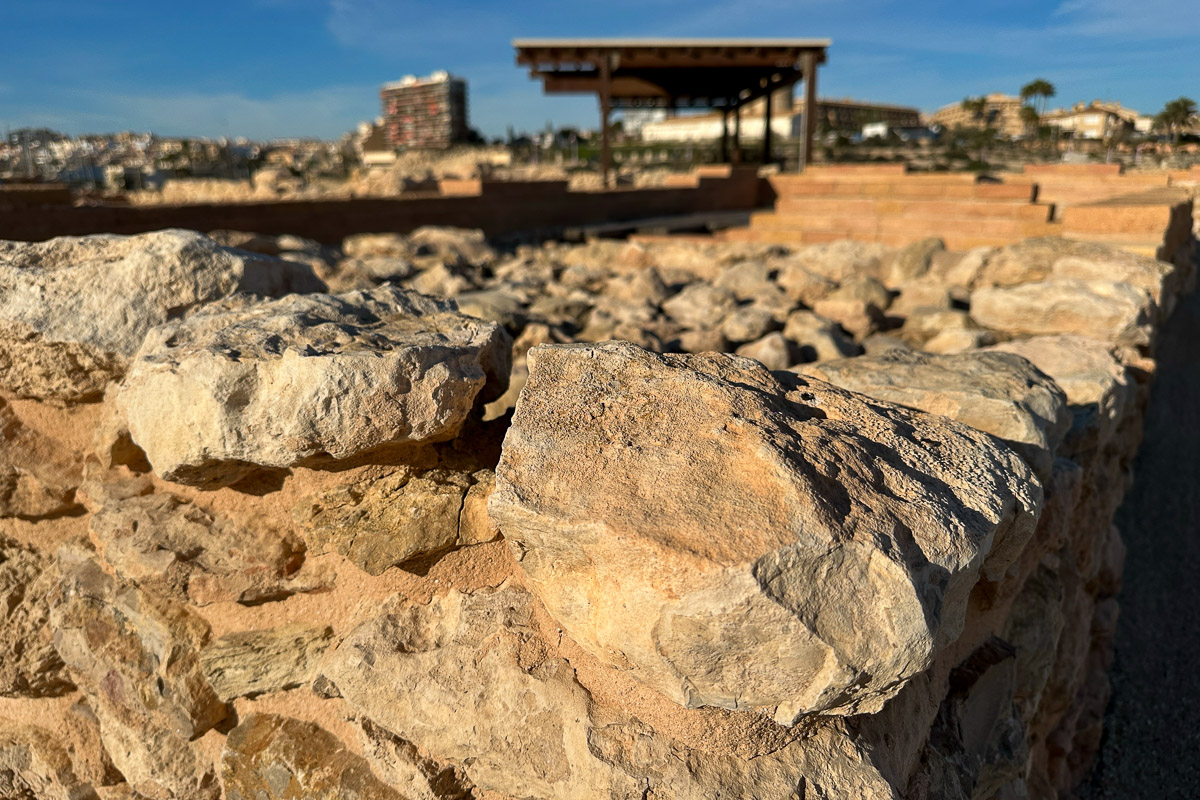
(831, 522)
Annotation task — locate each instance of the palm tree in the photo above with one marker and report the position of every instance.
(1175, 116)
(1030, 118)
(976, 106)
(1042, 89)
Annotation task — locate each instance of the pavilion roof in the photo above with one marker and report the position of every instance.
(669, 72)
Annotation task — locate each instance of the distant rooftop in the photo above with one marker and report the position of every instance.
(669, 72)
(671, 43)
(441, 76)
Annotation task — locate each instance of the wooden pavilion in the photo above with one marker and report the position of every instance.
(723, 74)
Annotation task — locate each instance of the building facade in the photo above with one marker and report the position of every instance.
(1095, 120)
(425, 113)
(787, 120)
(847, 115)
(1001, 112)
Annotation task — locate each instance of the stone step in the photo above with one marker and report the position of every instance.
(924, 224)
(853, 170)
(881, 205)
(953, 241)
(906, 189)
(1072, 169)
(1142, 219)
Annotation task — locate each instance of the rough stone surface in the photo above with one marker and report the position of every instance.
(467, 679)
(269, 757)
(273, 384)
(29, 665)
(38, 475)
(134, 655)
(1047, 257)
(1095, 382)
(34, 765)
(700, 305)
(726, 530)
(817, 338)
(773, 351)
(714, 580)
(170, 544)
(253, 662)
(857, 305)
(1005, 396)
(1105, 310)
(913, 260)
(75, 309)
(388, 521)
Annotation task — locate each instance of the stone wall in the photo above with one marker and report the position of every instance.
(831, 522)
(497, 207)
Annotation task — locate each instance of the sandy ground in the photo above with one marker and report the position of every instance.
(1151, 746)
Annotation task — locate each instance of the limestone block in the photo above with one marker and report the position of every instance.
(913, 260)
(386, 522)
(817, 338)
(1113, 312)
(134, 654)
(748, 540)
(857, 305)
(271, 384)
(269, 757)
(841, 260)
(38, 475)
(248, 663)
(1005, 396)
(1053, 257)
(748, 324)
(74, 310)
(29, 664)
(700, 305)
(803, 285)
(163, 542)
(35, 764)
(467, 681)
(772, 351)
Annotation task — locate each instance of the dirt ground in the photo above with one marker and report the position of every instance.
(1151, 746)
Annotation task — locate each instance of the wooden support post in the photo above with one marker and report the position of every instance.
(766, 143)
(809, 65)
(737, 134)
(605, 110)
(725, 135)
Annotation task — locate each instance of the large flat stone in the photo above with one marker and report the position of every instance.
(274, 384)
(748, 540)
(1110, 311)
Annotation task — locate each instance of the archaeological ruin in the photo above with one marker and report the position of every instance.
(330, 504)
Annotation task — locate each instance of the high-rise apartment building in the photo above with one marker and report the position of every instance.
(425, 113)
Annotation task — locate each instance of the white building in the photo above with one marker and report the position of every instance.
(707, 128)
(1095, 120)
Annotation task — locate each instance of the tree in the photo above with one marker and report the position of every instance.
(1176, 116)
(1030, 118)
(1042, 89)
(980, 137)
(976, 106)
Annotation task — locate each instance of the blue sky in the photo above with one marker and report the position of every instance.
(272, 68)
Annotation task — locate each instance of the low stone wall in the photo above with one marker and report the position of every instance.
(828, 522)
(496, 207)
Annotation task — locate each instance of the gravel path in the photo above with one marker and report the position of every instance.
(1151, 746)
